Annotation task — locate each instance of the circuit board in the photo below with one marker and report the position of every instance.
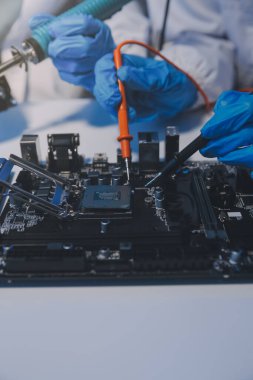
(78, 223)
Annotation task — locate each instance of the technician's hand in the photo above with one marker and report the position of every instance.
(230, 130)
(154, 88)
(78, 42)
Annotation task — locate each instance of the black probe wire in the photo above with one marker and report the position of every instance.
(162, 35)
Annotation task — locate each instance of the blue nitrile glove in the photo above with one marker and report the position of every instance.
(230, 130)
(78, 42)
(39, 20)
(154, 88)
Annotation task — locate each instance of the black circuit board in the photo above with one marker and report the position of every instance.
(196, 226)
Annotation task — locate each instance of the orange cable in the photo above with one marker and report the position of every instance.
(156, 52)
(125, 137)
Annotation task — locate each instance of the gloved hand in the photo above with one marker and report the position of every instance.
(78, 42)
(230, 130)
(154, 88)
(39, 20)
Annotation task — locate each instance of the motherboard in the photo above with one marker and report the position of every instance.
(71, 221)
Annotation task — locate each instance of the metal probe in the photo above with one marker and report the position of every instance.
(124, 137)
(20, 57)
(16, 60)
(180, 158)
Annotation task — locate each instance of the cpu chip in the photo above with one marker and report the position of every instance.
(106, 197)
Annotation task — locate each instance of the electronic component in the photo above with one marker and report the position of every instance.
(171, 143)
(210, 223)
(63, 153)
(20, 220)
(179, 158)
(90, 225)
(148, 151)
(58, 185)
(246, 201)
(100, 161)
(106, 197)
(30, 148)
(159, 198)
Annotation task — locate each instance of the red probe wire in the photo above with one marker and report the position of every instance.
(125, 137)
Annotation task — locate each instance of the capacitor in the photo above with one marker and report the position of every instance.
(101, 180)
(104, 254)
(235, 257)
(171, 143)
(159, 193)
(117, 170)
(104, 226)
(68, 247)
(159, 197)
(148, 201)
(116, 180)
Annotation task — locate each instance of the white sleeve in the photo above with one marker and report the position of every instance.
(198, 45)
(9, 12)
(131, 23)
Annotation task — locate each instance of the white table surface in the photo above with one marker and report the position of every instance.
(122, 333)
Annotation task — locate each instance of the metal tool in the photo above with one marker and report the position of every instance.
(35, 49)
(180, 158)
(60, 187)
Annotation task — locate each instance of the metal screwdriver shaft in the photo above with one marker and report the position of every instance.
(14, 61)
(180, 158)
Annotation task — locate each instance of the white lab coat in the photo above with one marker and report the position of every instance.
(9, 11)
(210, 39)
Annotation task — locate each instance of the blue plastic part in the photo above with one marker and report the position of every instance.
(101, 9)
(57, 195)
(5, 169)
(230, 131)
(2, 161)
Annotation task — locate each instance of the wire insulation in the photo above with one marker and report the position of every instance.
(156, 52)
(125, 137)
